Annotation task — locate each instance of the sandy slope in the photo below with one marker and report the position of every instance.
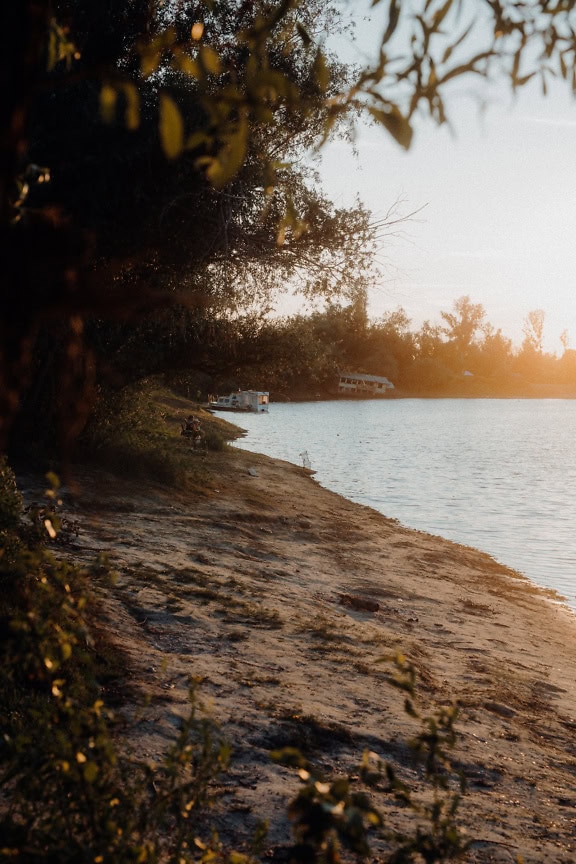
(283, 598)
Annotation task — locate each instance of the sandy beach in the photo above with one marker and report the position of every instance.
(283, 599)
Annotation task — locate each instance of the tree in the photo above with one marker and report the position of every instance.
(493, 357)
(461, 327)
(191, 114)
(533, 330)
(147, 231)
(390, 346)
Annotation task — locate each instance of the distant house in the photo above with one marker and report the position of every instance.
(359, 383)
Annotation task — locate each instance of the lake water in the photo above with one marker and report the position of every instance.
(496, 474)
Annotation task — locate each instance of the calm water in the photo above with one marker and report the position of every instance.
(499, 475)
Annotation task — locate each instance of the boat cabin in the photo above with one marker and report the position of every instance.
(361, 384)
(243, 400)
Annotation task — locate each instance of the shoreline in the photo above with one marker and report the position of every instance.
(551, 593)
(473, 492)
(283, 597)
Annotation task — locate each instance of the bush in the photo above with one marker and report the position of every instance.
(10, 498)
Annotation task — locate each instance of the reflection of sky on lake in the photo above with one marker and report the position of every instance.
(496, 474)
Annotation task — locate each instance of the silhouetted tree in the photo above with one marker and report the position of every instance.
(461, 328)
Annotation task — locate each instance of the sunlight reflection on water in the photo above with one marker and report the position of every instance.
(499, 475)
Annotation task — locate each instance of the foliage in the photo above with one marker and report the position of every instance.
(301, 356)
(156, 154)
(10, 498)
(329, 813)
(130, 434)
(121, 231)
(69, 791)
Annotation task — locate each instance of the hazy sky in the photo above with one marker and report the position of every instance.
(500, 220)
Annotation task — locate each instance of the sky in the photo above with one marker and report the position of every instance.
(499, 217)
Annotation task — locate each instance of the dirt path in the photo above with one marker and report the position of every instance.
(283, 598)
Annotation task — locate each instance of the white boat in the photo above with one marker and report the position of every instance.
(243, 400)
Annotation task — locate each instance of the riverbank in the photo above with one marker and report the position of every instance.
(283, 598)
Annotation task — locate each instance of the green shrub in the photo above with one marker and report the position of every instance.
(10, 498)
(214, 441)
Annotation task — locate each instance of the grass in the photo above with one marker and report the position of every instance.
(135, 432)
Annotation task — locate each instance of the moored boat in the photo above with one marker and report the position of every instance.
(255, 401)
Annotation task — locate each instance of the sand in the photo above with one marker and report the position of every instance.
(283, 599)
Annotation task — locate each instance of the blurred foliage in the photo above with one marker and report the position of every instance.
(10, 498)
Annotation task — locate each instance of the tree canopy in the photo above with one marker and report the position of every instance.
(154, 154)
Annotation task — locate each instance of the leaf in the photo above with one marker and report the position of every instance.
(108, 98)
(304, 35)
(132, 106)
(149, 62)
(197, 31)
(230, 158)
(197, 139)
(395, 123)
(171, 128)
(187, 64)
(290, 756)
(320, 71)
(210, 60)
(90, 771)
(238, 858)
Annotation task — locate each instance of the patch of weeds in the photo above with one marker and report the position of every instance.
(261, 680)
(268, 680)
(236, 584)
(323, 629)
(141, 573)
(238, 635)
(363, 668)
(482, 610)
(256, 615)
(190, 575)
(206, 594)
(269, 618)
(378, 639)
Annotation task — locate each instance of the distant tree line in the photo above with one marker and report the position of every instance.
(462, 355)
